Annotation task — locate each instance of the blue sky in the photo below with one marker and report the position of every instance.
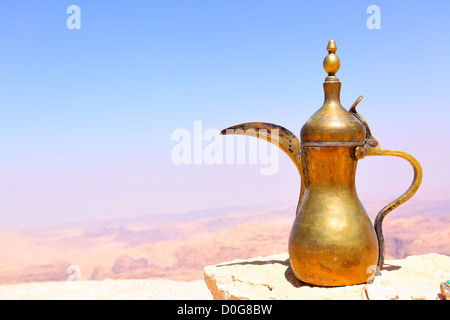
(87, 115)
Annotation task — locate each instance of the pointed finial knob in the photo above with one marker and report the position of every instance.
(331, 48)
(331, 62)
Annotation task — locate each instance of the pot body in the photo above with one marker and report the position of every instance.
(332, 240)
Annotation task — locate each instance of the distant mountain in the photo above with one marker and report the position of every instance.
(178, 246)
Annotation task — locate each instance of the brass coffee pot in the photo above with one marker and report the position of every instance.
(332, 241)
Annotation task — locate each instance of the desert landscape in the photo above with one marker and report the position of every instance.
(177, 247)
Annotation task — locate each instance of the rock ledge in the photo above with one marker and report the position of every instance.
(271, 277)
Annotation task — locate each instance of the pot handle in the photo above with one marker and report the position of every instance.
(362, 152)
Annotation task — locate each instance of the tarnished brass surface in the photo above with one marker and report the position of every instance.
(332, 241)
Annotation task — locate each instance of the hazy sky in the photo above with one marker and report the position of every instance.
(87, 114)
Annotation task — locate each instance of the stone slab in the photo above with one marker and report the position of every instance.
(271, 277)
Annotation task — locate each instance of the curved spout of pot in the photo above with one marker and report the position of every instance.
(277, 135)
